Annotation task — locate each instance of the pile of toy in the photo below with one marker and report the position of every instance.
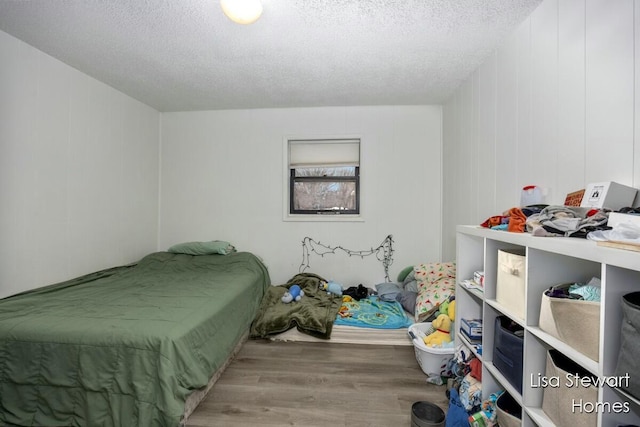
(464, 390)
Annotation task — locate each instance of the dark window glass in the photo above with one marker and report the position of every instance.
(325, 190)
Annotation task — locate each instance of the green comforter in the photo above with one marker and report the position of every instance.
(314, 314)
(127, 345)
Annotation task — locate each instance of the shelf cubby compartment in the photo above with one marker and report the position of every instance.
(546, 269)
(505, 311)
(473, 347)
(469, 302)
(492, 247)
(493, 381)
(627, 412)
(582, 339)
(497, 382)
(471, 305)
(533, 366)
(619, 281)
(489, 356)
(553, 342)
(469, 256)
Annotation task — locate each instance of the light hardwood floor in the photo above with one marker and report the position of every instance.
(317, 384)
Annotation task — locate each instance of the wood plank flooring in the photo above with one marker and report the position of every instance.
(274, 383)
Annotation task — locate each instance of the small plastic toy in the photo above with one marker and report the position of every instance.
(293, 294)
(331, 287)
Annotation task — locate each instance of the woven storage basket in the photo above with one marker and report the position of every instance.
(559, 402)
(573, 321)
(508, 412)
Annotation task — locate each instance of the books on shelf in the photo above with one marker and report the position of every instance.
(476, 283)
(471, 329)
(472, 284)
(475, 340)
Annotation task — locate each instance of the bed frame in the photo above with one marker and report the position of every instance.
(199, 395)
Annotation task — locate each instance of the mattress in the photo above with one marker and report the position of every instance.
(352, 335)
(127, 345)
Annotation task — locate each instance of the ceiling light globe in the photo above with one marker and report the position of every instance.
(242, 11)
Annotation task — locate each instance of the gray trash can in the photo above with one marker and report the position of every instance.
(426, 414)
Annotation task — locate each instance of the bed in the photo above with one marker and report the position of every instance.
(127, 345)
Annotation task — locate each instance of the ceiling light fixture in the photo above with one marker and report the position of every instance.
(242, 11)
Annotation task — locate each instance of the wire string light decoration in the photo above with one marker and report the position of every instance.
(384, 253)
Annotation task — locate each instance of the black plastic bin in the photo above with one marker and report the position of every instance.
(508, 349)
(427, 414)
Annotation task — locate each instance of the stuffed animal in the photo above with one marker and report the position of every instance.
(451, 310)
(293, 294)
(442, 326)
(331, 287)
(443, 307)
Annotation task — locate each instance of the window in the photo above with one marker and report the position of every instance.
(324, 177)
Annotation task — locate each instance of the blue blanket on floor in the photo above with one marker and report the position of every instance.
(371, 312)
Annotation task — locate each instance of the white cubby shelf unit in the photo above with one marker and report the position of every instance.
(549, 261)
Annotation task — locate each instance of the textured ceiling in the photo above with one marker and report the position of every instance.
(181, 55)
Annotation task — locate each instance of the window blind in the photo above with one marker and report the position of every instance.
(327, 153)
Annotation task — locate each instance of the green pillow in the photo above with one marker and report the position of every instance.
(404, 273)
(203, 248)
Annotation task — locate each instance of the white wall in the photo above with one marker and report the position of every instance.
(222, 178)
(554, 106)
(78, 172)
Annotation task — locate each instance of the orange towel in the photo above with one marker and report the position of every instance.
(492, 221)
(517, 220)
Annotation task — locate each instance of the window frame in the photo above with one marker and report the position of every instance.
(292, 182)
(291, 214)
